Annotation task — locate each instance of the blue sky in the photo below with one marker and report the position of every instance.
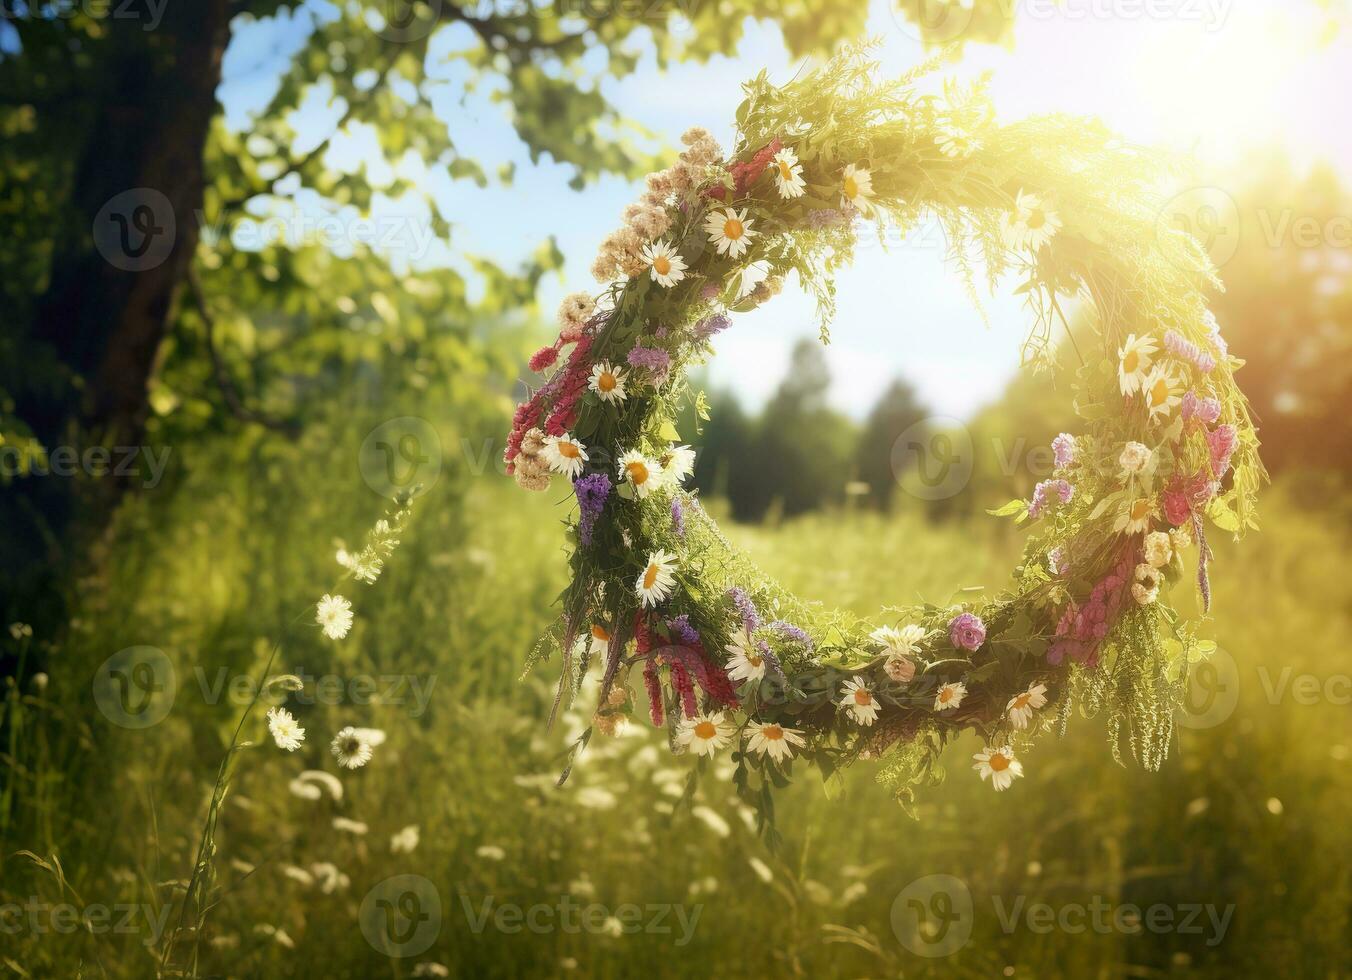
(1213, 78)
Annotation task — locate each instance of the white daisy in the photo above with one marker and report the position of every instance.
(1134, 359)
(774, 740)
(704, 734)
(788, 174)
(600, 640)
(406, 840)
(334, 614)
(899, 642)
(285, 732)
(642, 473)
(955, 144)
(1033, 223)
(667, 267)
(730, 230)
(746, 662)
(565, 455)
(998, 764)
(856, 188)
(350, 749)
(858, 701)
(751, 277)
(950, 696)
(677, 463)
(607, 382)
(1135, 517)
(654, 583)
(1162, 391)
(1021, 706)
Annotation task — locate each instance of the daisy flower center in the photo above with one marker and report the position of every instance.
(1130, 362)
(662, 265)
(638, 473)
(850, 187)
(1159, 392)
(1022, 700)
(1140, 509)
(773, 732)
(568, 450)
(606, 381)
(650, 576)
(1036, 219)
(732, 229)
(998, 762)
(599, 633)
(705, 729)
(784, 171)
(862, 697)
(946, 695)
(754, 659)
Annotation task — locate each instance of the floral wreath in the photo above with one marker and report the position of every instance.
(728, 657)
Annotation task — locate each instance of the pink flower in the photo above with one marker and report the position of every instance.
(1204, 409)
(1221, 441)
(1177, 510)
(543, 358)
(1063, 449)
(967, 631)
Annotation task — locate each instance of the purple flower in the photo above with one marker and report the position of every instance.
(677, 517)
(967, 631)
(1204, 409)
(746, 608)
(1063, 448)
(592, 492)
(681, 629)
(652, 359)
(1057, 561)
(1041, 495)
(792, 632)
(711, 325)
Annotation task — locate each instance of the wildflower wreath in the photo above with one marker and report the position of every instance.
(726, 656)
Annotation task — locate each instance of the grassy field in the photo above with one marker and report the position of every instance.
(1230, 862)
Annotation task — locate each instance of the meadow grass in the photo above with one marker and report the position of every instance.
(1247, 815)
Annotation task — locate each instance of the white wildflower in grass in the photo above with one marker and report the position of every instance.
(298, 874)
(565, 455)
(640, 472)
(1134, 359)
(761, 869)
(788, 174)
(430, 969)
(774, 740)
(656, 580)
(334, 615)
(950, 696)
(730, 231)
(999, 765)
(350, 749)
(406, 841)
(612, 927)
(242, 866)
(858, 701)
(364, 566)
(329, 878)
(279, 936)
(667, 267)
(1021, 706)
(596, 798)
(373, 737)
(313, 783)
(745, 662)
(354, 827)
(856, 188)
(704, 734)
(607, 382)
(711, 819)
(285, 732)
(581, 887)
(20, 631)
(490, 852)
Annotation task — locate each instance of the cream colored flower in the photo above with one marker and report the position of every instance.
(774, 740)
(1032, 224)
(1158, 549)
(1136, 459)
(856, 188)
(667, 267)
(607, 382)
(285, 731)
(904, 642)
(950, 696)
(350, 749)
(1181, 538)
(1162, 390)
(788, 174)
(999, 765)
(565, 455)
(1020, 707)
(859, 702)
(677, 463)
(729, 230)
(656, 580)
(640, 472)
(1134, 360)
(704, 734)
(1146, 588)
(334, 615)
